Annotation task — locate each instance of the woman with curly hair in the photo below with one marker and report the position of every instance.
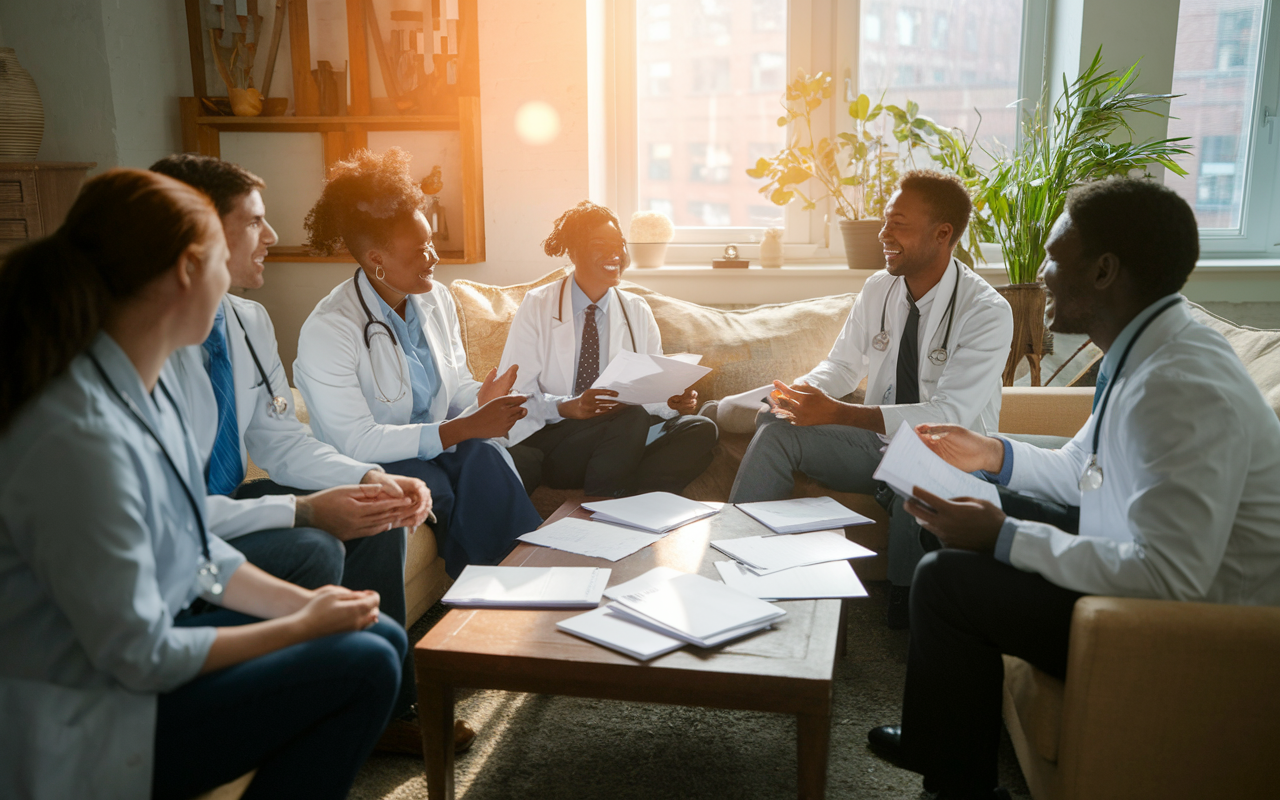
(382, 367)
(563, 336)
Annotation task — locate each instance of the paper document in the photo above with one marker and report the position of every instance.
(641, 378)
(803, 514)
(698, 609)
(648, 580)
(769, 554)
(617, 633)
(909, 463)
(588, 538)
(829, 579)
(657, 512)
(528, 587)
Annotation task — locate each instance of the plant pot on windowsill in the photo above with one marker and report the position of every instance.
(1027, 301)
(862, 248)
(649, 255)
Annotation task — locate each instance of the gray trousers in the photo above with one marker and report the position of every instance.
(839, 457)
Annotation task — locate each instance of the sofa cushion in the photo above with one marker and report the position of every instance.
(1037, 699)
(744, 349)
(1258, 349)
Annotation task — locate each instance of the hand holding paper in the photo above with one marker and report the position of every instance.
(643, 378)
(909, 463)
(963, 523)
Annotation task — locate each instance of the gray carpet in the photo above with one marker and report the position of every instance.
(538, 746)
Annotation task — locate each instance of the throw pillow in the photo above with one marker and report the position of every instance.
(1258, 349)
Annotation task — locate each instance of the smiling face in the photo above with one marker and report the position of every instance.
(248, 237)
(600, 259)
(1067, 274)
(408, 261)
(913, 241)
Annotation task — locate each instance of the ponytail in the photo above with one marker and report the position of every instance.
(126, 228)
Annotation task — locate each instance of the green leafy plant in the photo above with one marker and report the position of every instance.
(1075, 140)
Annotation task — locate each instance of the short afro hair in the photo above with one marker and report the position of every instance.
(571, 229)
(363, 200)
(945, 195)
(222, 181)
(1143, 223)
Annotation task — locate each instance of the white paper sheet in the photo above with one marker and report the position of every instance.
(528, 587)
(699, 608)
(646, 581)
(802, 514)
(769, 554)
(590, 538)
(829, 579)
(657, 512)
(909, 463)
(645, 378)
(617, 633)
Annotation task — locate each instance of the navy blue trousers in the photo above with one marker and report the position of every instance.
(305, 717)
(479, 503)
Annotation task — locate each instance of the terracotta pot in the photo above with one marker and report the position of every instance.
(1027, 301)
(647, 254)
(245, 102)
(862, 248)
(21, 112)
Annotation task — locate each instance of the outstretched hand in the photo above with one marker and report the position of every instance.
(962, 448)
(802, 404)
(495, 385)
(965, 523)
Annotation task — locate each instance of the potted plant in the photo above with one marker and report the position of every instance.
(647, 238)
(857, 170)
(1083, 136)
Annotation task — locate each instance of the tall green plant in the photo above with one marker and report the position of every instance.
(1061, 146)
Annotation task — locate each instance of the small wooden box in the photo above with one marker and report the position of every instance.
(730, 263)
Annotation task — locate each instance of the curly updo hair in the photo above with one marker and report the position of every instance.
(573, 226)
(363, 200)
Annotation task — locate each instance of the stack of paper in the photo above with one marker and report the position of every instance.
(803, 514)
(829, 579)
(657, 512)
(595, 539)
(642, 378)
(769, 554)
(528, 587)
(697, 610)
(909, 463)
(607, 629)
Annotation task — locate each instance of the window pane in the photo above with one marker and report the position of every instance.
(711, 74)
(955, 58)
(1215, 68)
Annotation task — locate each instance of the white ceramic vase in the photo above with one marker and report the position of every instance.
(21, 112)
(647, 254)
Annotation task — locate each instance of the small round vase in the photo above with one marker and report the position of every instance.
(647, 254)
(21, 112)
(245, 102)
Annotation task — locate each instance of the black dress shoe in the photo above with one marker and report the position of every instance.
(899, 616)
(998, 793)
(886, 742)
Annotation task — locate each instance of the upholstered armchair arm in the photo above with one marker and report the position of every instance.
(1050, 411)
(1168, 699)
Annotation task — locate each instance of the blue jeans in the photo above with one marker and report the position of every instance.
(305, 717)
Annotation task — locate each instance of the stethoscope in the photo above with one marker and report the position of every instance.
(278, 404)
(207, 573)
(938, 356)
(1091, 478)
(375, 323)
(560, 311)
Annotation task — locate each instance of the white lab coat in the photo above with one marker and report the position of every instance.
(283, 446)
(1189, 508)
(965, 390)
(543, 341)
(361, 400)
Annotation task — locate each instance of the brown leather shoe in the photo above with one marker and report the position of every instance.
(404, 736)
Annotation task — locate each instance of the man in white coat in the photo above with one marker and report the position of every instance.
(1175, 473)
(930, 336)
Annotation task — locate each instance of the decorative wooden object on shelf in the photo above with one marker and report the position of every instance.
(35, 197)
(434, 105)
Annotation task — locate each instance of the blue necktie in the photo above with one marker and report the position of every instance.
(224, 471)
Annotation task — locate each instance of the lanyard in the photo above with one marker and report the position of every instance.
(207, 574)
(1091, 478)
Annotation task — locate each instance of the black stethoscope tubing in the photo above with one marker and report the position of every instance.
(278, 403)
(560, 310)
(951, 315)
(1106, 394)
(136, 413)
(368, 337)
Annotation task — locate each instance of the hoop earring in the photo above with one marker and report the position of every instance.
(378, 273)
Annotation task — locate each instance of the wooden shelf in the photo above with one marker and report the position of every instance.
(300, 255)
(435, 122)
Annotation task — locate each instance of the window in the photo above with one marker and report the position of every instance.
(659, 25)
(710, 21)
(662, 207)
(908, 26)
(941, 27)
(1230, 177)
(660, 161)
(709, 163)
(660, 79)
(768, 16)
(871, 24)
(710, 76)
(768, 72)
(712, 215)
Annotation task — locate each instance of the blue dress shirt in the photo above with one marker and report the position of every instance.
(580, 302)
(424, 376)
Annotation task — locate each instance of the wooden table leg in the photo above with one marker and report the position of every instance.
(813, 740)
(435, 717)
(842, 638)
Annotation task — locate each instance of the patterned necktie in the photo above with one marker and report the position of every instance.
(908, 381)
(224, 470)
(589, 356)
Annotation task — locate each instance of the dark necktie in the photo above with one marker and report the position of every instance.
(589, 355)
(224, 470)
(908, 383)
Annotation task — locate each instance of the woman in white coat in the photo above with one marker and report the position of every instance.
(111, 687)
(382, 367)
(563, 336)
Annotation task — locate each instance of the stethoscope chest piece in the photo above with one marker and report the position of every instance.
(938, 356)
(881, 340)
(1091, 478)
(278, 406)
(207, 577)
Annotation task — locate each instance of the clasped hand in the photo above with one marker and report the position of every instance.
(379, 503)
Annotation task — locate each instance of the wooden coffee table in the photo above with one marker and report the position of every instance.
(787, 670)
